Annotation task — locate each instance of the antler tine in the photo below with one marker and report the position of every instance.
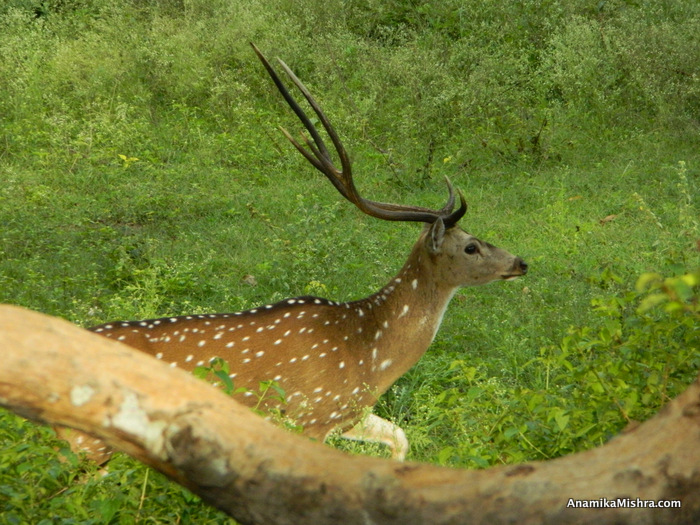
(317, 154)
(320, 157)
(341, 179)
(453, 217)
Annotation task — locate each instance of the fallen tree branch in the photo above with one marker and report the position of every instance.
(57, 373)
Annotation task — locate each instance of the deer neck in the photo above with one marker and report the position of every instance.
(401, 320)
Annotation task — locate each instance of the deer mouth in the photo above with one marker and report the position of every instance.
(519, 268)
(511, 277)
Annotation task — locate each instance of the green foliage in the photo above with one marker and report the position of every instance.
(218, 373)
(142, 175)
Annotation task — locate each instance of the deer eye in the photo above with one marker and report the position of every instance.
(471, 249)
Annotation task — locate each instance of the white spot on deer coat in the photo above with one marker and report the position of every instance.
(385, 364)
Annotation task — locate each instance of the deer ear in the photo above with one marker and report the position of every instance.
(436, 234)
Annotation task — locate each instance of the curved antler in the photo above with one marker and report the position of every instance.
(317, 154)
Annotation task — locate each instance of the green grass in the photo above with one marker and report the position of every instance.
(143, 175)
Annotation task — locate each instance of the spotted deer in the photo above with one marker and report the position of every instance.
(332, 359)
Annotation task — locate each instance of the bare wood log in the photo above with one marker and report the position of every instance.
(54, 372)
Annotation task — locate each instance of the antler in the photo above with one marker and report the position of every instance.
(317, 154)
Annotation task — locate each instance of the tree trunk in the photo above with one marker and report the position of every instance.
(54, 372)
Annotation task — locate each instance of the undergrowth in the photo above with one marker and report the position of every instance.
(143, 176)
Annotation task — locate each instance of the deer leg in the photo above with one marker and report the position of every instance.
(95, 449)
(377, 430)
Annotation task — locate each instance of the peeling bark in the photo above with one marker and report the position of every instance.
(57, 373)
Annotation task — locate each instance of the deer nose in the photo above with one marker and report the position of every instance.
(519, 263)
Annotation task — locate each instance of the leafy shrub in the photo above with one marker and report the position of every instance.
(644, 351)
